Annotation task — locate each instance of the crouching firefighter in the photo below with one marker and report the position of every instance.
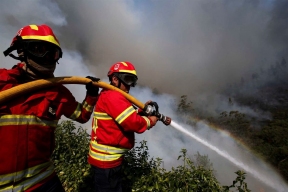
(27, 123)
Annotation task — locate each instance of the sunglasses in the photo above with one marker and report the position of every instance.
(43, 50)
(128, 79)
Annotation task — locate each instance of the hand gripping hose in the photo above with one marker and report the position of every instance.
(43, 83)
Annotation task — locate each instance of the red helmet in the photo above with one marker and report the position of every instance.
(125, 71)
(33, 34)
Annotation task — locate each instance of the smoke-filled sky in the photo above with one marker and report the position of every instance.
(181, 47)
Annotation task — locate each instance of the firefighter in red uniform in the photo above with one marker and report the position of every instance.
(27, 123)
(114, 123)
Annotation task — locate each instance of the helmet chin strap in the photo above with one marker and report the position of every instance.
(119, 82)
(20, 58)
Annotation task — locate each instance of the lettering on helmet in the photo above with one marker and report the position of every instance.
(116, 66)
(19, 32)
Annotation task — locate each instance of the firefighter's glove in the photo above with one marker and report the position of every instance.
(153, 121)
(144, 111)
(91, 89)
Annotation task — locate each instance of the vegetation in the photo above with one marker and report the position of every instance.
(70, 157)
(266, 90)
(266, 137)
(141, 173)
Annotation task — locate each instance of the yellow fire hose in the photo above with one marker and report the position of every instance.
(43, 83)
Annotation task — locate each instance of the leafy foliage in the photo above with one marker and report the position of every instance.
(185, 106)
(140, 172)
(70, 157)
(184, 178)
(239, 183)
(266, 138)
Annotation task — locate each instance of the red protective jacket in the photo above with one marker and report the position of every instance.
(114, 123)
(27, 125)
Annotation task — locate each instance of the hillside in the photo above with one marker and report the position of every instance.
(264, 92)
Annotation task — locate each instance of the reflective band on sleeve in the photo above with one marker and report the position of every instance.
(102, 116)
(25, 120)
(77, 112)
(148, 122)
(126, 113)
(107, 149)
(88, 107)
(27, 183)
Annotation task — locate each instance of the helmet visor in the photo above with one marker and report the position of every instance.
(128, 79)
(43, 50)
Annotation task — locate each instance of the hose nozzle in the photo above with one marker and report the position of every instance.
(152, 109)
(165, 119)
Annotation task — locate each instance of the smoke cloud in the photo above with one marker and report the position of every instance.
(186, 47)
(182, 48)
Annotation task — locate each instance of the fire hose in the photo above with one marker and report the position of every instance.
(149, 109)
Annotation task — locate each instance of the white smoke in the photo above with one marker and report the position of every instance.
(178, 47)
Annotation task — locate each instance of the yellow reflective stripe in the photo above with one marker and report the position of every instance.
(125, 64)
(25, 120)
(104, 157)
(88, 107)
(102, 116)
(27, 183)
(77, 112)
(128, 71)
(148, 121)
(126, 113)
(95, 124)
(108, 149)
(16, 176)
(48, 38)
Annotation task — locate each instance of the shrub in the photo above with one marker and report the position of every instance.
(70, 157)
(140, 172)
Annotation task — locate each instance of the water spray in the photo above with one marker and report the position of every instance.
(277, 185)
